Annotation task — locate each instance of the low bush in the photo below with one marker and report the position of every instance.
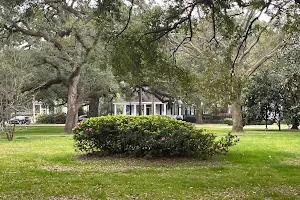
(225, 142)
(189, 118)
(143, 136)
(270, 122)
(228, 121)
(59, 118)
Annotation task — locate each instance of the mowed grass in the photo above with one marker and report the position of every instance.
(41, 164)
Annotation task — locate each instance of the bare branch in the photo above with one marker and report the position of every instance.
(164, 31)
(260, 62)
(128, 20)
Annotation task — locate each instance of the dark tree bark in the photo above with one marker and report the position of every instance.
(72, 108)
(294, 127)
(295, 123)
(266, 117)
(93, 107)
(199, 115)
(279, 121)
(279, 125)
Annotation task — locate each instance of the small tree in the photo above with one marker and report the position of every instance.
(15, 73)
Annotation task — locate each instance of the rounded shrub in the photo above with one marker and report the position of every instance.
(143, 136)
(270, 122)
(228, 121)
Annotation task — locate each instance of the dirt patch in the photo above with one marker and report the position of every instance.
(230, 193)
(287, 190)
(294, 162)
(69, 198)
(61, 168)
(173, 162)
(58, 168)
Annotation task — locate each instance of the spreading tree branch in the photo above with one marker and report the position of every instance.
(128, 19)
(260, 62)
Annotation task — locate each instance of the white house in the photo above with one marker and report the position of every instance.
(151, 106)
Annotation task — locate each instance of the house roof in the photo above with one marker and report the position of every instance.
(135, 99)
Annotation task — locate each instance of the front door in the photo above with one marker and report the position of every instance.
(148, 110)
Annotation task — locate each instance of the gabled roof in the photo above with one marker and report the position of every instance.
(135, 99)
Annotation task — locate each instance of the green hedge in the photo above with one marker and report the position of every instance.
(59, 118)
(228, 121)
(270, 122)
(143, 136)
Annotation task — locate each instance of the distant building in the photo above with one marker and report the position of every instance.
(151, 106)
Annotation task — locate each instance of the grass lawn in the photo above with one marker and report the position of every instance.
(41, 164)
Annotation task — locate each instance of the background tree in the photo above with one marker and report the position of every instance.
(274, 91)
(15, 71)
(238, 53)
(97, 83)
(65, 33)
(144, 65)
(287, 64)
(264, 97)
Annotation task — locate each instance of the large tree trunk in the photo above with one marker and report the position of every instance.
(199, 115)
(294, 127)
(93, 107)
(72, 109)
(237, 119)
(295, 123)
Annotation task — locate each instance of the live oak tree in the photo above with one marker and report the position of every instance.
(176, 14)
(143, 64)
(230, 57)
(235, 21)
(65, 32)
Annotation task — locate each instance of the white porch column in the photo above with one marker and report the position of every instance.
(179, 108)
(165, 109)
(154, 109)
(134, 109)
(145, 109)
(115, 109)
(124, 109)
(41, 112)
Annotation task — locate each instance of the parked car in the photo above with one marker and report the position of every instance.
(178, 117)
(20, 120)
(189, 118)
(81, 118)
